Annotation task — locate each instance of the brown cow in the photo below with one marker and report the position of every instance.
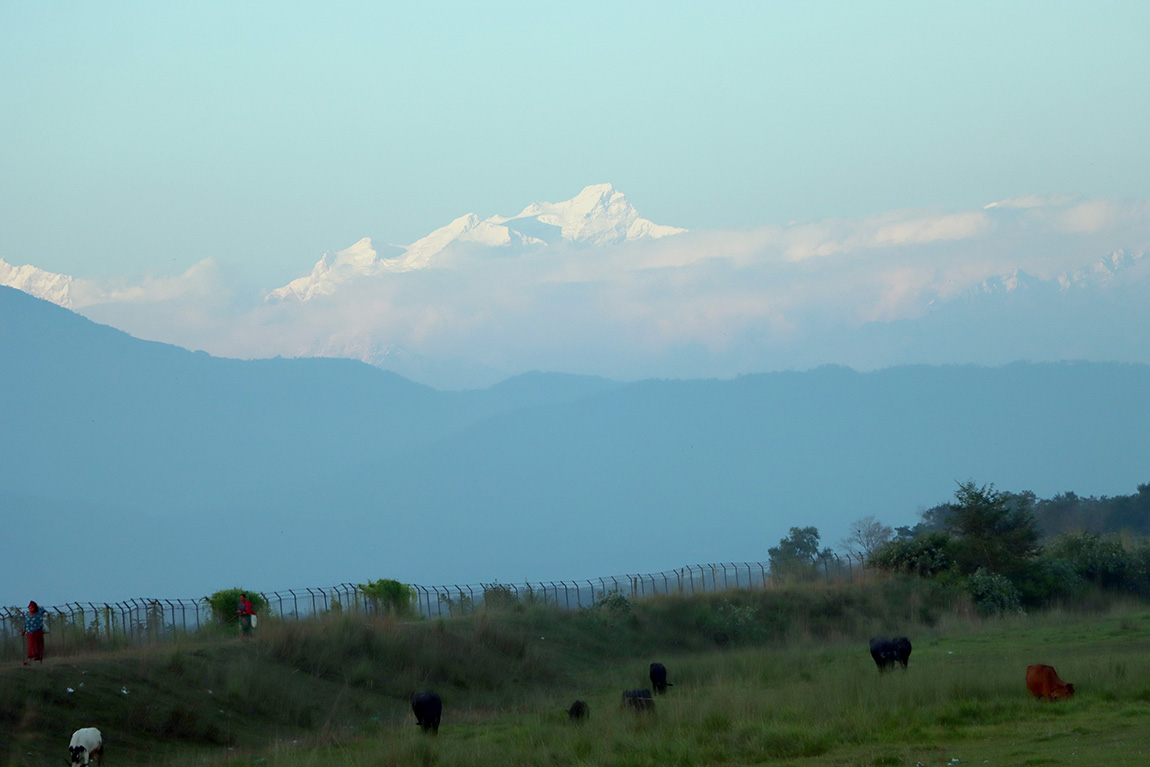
(1043, 682)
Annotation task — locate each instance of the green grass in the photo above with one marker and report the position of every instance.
(798, 689)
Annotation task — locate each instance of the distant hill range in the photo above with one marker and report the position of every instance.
(132, 467)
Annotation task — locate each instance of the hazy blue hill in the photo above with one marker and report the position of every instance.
(99, 415)
(659, 473)
(191, 473)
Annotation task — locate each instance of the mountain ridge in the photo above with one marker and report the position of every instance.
(598, 215)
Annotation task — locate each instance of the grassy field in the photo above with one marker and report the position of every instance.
(751, 687)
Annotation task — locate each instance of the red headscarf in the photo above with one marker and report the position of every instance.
(33, 606)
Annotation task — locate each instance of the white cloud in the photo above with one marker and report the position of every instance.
(1093, 216)
(700, 303)
(1030, 201)
(899, 228)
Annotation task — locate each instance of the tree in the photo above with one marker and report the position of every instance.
(996, 531)
(796, 555)
(867, 535)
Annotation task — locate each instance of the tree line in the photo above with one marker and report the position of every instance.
(1008, 551)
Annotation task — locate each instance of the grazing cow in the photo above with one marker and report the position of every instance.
(638, 700)
(1043, 683)
(578, 711)
(428, 708)
(888, 652)
(659, 678)
(87, 746)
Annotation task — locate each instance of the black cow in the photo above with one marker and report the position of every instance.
(428, 708)
(639, 700)
(659, 678)
(888, 652)
(578, 711)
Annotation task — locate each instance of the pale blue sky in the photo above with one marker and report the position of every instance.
(147, 136)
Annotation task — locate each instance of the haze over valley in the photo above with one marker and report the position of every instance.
(284, 473)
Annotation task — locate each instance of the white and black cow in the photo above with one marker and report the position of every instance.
(87, 747)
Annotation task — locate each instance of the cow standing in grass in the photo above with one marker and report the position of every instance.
(659, 678)
(889, 652)
(87, 746)
(427, 707)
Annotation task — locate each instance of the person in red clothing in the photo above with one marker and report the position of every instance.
(246, 614)
(33, 631)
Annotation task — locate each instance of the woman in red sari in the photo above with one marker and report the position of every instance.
(34, 633)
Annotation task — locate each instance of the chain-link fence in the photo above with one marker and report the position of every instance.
(76, 627)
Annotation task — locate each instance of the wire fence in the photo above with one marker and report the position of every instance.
(79, 626)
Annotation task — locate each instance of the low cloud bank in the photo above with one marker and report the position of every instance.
(703, 303)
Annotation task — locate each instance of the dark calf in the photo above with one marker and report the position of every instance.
(659, 678)
(578, 711)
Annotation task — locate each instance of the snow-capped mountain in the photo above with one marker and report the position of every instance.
(1099, 273)
(1102, 271)
(599, 215)
(49, 286)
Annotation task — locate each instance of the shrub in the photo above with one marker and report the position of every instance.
(456, 607)
(1100, 560)
(498, 596)
(390, 597)
(927, 555)
(734, 624)
(1047, 579)
(614, 602)
(993, 594)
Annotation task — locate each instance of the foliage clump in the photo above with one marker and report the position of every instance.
(928, 555)
(499, 596)
(390, 597)
(993, 593)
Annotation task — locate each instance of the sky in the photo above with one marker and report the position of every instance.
(141, 138)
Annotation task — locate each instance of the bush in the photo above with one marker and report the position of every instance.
(497, 596)
(390, 597)
(225, 603)
(927, 555)
(1100, 560)
(734, 624)
(1048, 579)
(993, 594)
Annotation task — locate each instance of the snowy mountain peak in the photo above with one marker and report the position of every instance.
(598, 215)
(49, 286)
(1099, 273)
(331, 270)
(1102, 270)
